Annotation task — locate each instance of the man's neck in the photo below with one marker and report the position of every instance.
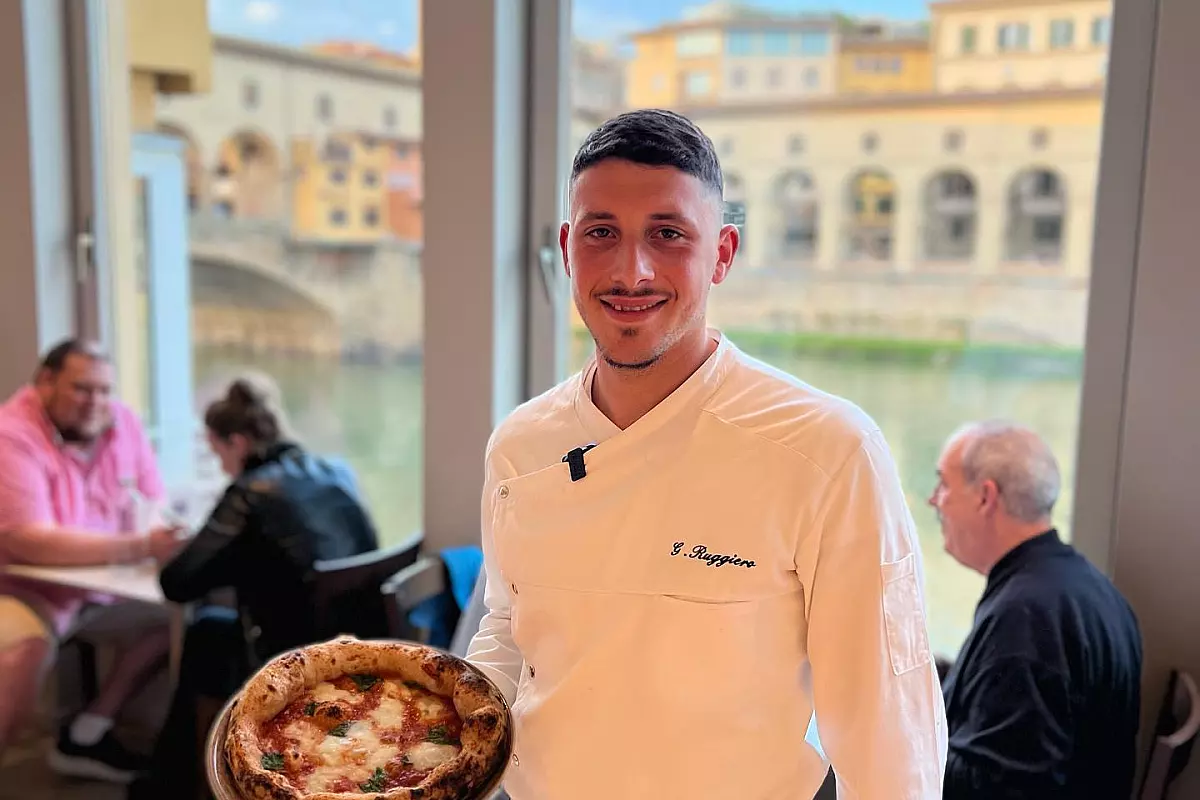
(1013, 537)
(626, 395)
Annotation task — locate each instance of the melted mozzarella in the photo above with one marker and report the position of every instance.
(360, 746)
(389, 714)
(307, 735)
(427, 755)
(431, 706)
(324, 692)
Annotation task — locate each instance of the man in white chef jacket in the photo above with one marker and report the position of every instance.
(668, 607)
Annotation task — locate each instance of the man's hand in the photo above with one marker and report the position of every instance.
(165, 542)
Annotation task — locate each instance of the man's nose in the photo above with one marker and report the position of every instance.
(632, 267)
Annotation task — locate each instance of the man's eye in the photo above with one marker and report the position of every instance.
(599, 233)
(670, 234)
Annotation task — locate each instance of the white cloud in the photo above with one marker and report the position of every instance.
(388, 28)
(261, 12)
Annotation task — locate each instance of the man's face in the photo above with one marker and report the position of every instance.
(643, 246)
(77, 397)
(960, 507)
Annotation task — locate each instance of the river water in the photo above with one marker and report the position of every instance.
(371, 415)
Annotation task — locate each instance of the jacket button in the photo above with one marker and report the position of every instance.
(503, 492)
(531, 673)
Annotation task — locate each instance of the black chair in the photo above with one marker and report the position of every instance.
(424, 581)
(347, 596)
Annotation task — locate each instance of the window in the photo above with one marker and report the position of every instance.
(968, 40)
(698, 43)
(1012, 36)
(900, 236)
(1101, 31)
(274, 289)
(250, 94)
(737, 78)
(813, 43)
(776, 43)
(697, 84)
(1062, 34)
(739, 43)
(325, 108)
(811, 78)
(775, 77)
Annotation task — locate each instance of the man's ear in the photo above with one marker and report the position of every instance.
(564, 232)
(728, 242)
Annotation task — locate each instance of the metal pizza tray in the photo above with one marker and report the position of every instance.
(223, 787)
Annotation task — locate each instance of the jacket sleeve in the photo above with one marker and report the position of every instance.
(492, 649)
(876, 698)
(1017, 733)
(210, 561)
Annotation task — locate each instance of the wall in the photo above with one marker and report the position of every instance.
(1158, 530)
(915, 73)
(1083, 64)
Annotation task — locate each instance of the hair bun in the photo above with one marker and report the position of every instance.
(243, 393)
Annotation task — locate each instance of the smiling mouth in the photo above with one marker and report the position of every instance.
(633, 305)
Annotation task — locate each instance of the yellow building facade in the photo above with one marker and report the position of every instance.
(339, 191)
(1000, 45)
(884, 66)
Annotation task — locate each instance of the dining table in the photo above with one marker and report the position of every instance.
(137, 582)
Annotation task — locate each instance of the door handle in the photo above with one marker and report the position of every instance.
(84, 242)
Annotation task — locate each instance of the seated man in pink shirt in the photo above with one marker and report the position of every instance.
(71, 461)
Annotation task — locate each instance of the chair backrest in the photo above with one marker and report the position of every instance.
(1178, 723)
(346, 591)
(410, 587)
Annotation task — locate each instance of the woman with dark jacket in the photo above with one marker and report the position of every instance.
(284, 509)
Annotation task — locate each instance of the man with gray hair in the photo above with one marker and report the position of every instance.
(1043, 699)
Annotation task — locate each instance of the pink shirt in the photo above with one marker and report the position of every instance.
(43, 481)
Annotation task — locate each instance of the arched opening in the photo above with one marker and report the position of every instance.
(951, 212)
(799, 214)
(1037, 209)
(248, 179)
(871, 209)
(193, 160)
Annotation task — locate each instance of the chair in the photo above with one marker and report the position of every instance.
(424, 581)
(346, 591)
(1175, 733)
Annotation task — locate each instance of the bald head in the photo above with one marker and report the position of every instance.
(1017, 460)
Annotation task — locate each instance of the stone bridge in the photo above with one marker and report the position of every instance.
(255, 285)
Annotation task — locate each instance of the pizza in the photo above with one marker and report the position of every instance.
(348, 718)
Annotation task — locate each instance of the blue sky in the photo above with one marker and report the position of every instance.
(391, 23)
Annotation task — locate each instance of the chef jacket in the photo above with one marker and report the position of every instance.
(666, 623)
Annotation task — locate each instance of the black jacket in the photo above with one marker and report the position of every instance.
(286, 510)
(1043, 699)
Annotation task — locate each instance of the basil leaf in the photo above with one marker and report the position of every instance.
(376, 782)
(272, 762)
(340, 730)
(439, 735)
(310, 709)
(364, 682)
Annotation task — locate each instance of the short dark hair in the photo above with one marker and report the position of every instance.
(653, 137)
(56, 357)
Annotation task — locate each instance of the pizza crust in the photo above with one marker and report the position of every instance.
(486, 724)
